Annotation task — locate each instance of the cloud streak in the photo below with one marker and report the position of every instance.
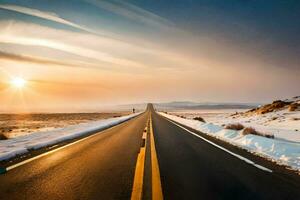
(41, 14)
(120, 8)
(104, 52)
(35, 60)
(15, 57)
(51, 16)
(86, 45)
(132, 12)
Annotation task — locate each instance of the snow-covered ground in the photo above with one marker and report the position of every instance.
(283, 152)
(16, 125)
(282, 124)
(20, 145)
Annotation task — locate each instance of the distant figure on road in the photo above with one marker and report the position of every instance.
(133, 110)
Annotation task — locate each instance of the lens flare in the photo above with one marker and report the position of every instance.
(18, 82)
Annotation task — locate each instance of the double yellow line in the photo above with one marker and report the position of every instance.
(137, 189)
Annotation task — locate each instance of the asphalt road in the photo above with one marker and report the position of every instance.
(191, 168)
(103, 167)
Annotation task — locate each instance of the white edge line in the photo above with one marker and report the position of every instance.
(54, 150)
(222, 148)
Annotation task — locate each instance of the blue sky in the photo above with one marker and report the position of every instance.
(204, 50)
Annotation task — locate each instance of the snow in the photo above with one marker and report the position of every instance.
(280, 151)
(283, 124)
(20, 145)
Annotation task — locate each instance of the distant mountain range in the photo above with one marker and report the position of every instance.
(179, 105)
(205, 105)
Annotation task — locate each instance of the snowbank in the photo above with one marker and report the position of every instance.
(283, 152)
(20, 145)
(283, 124)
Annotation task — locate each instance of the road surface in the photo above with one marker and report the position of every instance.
(161, 161)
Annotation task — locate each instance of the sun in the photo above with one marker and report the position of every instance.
(18, 82)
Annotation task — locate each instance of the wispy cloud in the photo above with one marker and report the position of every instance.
(115, 43)
(41, 14)
(51, 16)
(132, 12)
(101, 51)
(15, 57)
(90, 46)
(38, 60)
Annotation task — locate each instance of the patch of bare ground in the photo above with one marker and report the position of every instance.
(3, 136)
(236, 126)
(276, 105)
(250, 130)
(293, 107)
(289, 104)
(199, 119)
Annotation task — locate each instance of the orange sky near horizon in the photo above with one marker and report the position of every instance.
(70, 66)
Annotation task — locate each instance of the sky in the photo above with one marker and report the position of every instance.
(86, 55)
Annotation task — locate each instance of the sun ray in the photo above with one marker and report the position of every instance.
(18, 82)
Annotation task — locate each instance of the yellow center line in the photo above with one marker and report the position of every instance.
(137, 188)
(138, 176)
(156, 182)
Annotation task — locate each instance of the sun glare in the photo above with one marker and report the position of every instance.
(18, 82)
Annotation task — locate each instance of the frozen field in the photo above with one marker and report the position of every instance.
(12, 147)
(15, 125)
(213, 115)
(282, 124)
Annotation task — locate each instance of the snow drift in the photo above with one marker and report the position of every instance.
(20, 145)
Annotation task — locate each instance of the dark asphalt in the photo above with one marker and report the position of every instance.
(191, 168)
(103, 166)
